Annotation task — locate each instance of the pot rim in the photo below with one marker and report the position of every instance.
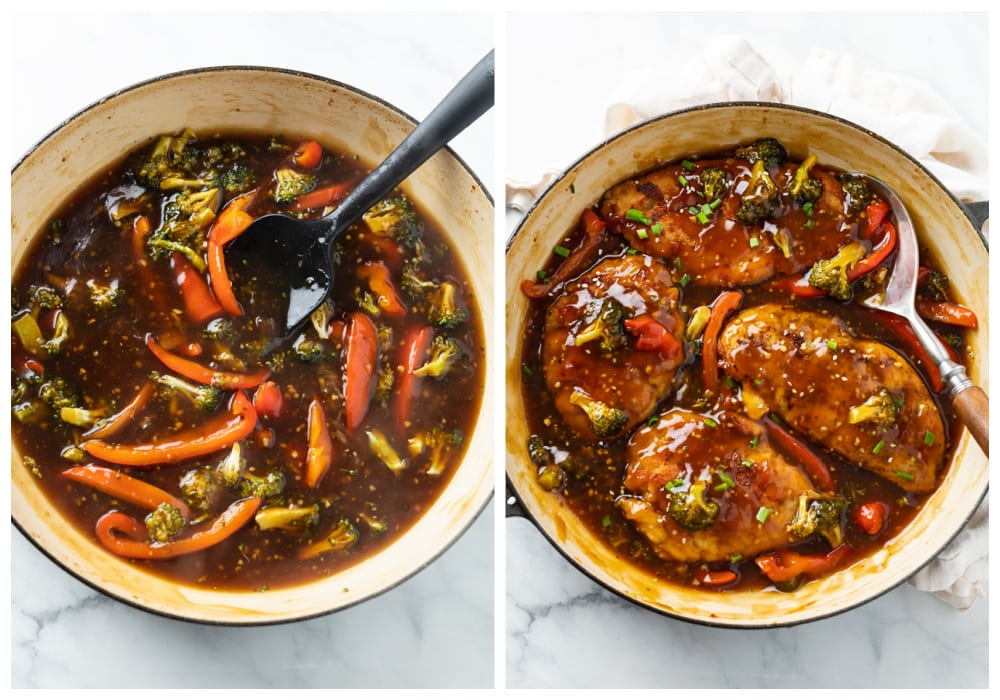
(516, 504)
(442, 547)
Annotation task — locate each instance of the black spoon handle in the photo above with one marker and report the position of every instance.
(467, 101)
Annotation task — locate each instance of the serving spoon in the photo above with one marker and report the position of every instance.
(300, 250)
(970, 402)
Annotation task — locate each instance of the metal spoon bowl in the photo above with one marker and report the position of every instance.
(298, 252)
(970, 402)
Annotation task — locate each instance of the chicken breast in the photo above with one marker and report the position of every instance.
(580, 368)
(810, 370)
(720, 250)
(755, 488)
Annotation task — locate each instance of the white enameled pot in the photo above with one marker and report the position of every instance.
(944, 226)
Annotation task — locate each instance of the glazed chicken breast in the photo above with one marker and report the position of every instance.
(669, 220)
(724, 461)
(611, 344)
(857, 397)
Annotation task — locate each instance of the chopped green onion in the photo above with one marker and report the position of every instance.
(711, 423)
(561, 250)
(685, 278)
(642, 234)
(747, 462)
(637, 216)
(736, 558)
(714, 204)
(657, 228)
(632, 251)
(652, 420)
(541, 275)
(702, 218)
(683, 180)
(725, 478)
(677, 263)
(671, 485)
(687, 165)
(528, 372)
(808, 208)
(754, 441)
(572, 188)
(758, 381)
(693, 210)
(606, 521)
(878, 447)
(928, 438)
(809, 223)
(832, 344)
(762, 514)
(905, 475)
(754, 242)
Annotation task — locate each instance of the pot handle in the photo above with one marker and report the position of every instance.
(979, 212)
(512, 504)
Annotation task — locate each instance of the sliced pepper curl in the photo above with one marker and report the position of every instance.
(206, 375)
(379, 281)
(653, 336)
(214, 435)
(127, 488)
(123, 535)
(785, 565)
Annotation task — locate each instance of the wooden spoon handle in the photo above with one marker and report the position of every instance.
(973, 408)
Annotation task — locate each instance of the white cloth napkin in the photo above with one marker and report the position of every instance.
(905, 111)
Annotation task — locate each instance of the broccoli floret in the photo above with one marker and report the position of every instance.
(206, 183)
(290, 184)
(446, 307)
(367, 302)
(83, 417)
(386, 375)
(185, 220)
(819, 514)
(293, 518)
(768, 151)
(201, 488)
(169, 156)
(395, 217)
(538, 452)
(381, 448)
(607, 327)
(550, 475)
(446, 354)
(936, 286)
(881, 408)
(238, 178)
(605, 420)
(106, 297)
(271, 485)
(60, 334)
(308, 351)
(436, 443)
(321, 318)
(342, 536)
(831, 274)
(413, 283)
(59, 393)
(691, 510)
(24, 403)
(46, 297)
(760, 198)
(218, 329)
(802, 187)
(164, 522)
(713, 183)
(203, 396)
(231, 468)
(199, 207)
(858, 190)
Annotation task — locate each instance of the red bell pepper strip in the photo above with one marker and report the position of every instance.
(717, 577)
(414, 353)
(380, 282)
(230, 223)
(875, 213)
(721, 308)
(871, 516)
(319, 456)
(115, 423)
(651, 335)
(947, 312)
(785, 564)
(214, 435)
(199, 302)
(594, 232)
(206, 375)
(877, 256)
(813, 465)
(124, 535)
(361, 359)
(904, 332)
(129, 489)
(322, 197)
(267, 400)
(308, 154)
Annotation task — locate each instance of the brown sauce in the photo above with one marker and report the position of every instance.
(107, 361)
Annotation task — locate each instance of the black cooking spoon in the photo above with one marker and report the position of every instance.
(300, 250)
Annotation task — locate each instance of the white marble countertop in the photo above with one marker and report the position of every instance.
(435, 629)
(562, 629)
